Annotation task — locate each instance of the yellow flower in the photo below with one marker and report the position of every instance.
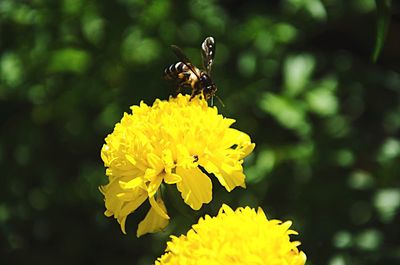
(238, 237)
(166, 143)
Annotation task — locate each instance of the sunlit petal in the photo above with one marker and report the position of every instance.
(195, 187)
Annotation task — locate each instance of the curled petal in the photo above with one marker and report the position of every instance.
(230, 176)
(123, 198)
(159, 207)
(153, 222)
(129, 207)
(155, 184)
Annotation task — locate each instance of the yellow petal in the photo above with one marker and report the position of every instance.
(172, 178)
(155, 162)
(159, 207)
(155, 184)
(240, 139)
(168, 160)
(150, 174)
(122, 222)
(184, 157)
(195, 187)
(247, 149)
(153, 222)
(301, 259)
(225, 209)
(132, 205)
(104, 154)
(132, 184)
(128, 208)
(229, 177)
(231, 137)
(261, 213)
(136, 163)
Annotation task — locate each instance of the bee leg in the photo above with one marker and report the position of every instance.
(192, 96)
(179, 86)
(195, 92)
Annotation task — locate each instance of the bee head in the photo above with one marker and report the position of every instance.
(209, 88)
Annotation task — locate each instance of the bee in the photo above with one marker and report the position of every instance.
(187, 75)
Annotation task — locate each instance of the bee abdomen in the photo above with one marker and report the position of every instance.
(173, 71)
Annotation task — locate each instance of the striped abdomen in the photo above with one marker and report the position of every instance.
(176, 71)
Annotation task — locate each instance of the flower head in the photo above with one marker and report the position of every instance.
(168, 143)
(241, 237)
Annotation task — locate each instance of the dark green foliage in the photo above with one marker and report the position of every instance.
(295, 74)
(383, 19)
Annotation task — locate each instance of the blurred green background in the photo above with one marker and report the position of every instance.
(297, 76)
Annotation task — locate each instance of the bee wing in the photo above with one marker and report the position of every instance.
(184, 59)
(208, 53)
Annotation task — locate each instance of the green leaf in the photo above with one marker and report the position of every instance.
(69, 60)
(322, 99)
(383, 19)
(297, 73)
(11, 69)
(289, 112)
